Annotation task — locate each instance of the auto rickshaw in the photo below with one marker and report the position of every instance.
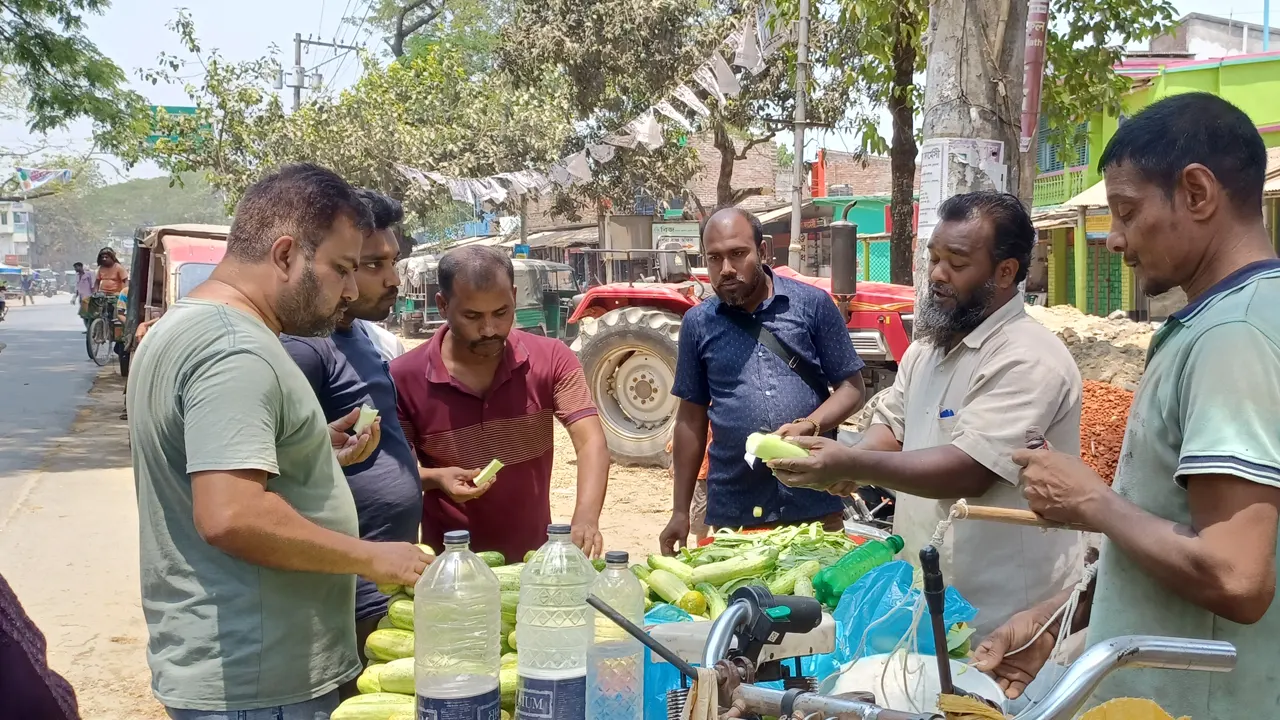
(545, 294)
(169, 261)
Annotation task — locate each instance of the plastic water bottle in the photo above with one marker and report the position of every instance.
(615, 660)
(457, 611)
(831, 582)
(553, 630)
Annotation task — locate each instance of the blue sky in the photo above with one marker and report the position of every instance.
(133, 33)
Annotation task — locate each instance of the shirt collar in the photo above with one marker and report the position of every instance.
(514, 355)
(1227, 285)
(1011, 310)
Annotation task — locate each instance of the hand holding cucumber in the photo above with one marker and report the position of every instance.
(457, 483)
(827, 464)
(397, 563)
(357, 448)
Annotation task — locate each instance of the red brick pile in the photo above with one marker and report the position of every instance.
(1102, 421)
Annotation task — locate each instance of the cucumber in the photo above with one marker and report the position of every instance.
(785, 582)
(772, 447)
(746, 566)
(492, 558)
(488, 474)
(716, 603)
(367, 416)
(673, 566)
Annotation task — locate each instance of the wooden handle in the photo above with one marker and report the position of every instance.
(1011, 516)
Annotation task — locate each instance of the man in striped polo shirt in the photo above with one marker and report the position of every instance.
(1191, 519)
(480, 390)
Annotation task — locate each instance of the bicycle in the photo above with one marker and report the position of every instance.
(102, 337)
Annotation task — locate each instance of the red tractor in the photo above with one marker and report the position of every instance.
(628, 332)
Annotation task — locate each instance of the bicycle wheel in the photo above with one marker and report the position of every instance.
(97, 342)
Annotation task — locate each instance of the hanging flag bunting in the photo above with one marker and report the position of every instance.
(624, 138)
(676, 116)
(686, 95)
(649, 131)
(459, 190)
(602, 153)
(32, 178)
(576, 165)
(747, 52)
(517, 187)
(706, 78)
(492, 191)
(771, 40)
(437, 177)
(560, 175)
(725, 79)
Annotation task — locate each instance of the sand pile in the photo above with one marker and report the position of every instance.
(1110, 350)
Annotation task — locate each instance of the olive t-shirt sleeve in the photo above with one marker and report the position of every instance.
(231, 412)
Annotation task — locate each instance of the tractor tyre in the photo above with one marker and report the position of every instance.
(629, 358)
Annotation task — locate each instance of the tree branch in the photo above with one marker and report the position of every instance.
(743, 193)
(403, 32)
(746, 148)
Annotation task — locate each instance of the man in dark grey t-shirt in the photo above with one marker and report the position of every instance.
(346, 370)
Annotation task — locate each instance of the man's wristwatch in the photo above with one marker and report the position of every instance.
(817, 429)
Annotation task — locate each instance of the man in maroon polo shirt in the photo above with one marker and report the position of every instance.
(479, 390)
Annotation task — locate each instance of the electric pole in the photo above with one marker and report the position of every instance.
(972, 106)
(797, 173)
(299, 76)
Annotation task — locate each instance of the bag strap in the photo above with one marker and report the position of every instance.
(801, 367)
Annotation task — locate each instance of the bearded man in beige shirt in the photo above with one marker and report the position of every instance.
(980, 373)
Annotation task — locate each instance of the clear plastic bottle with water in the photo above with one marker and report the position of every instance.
(553, 630)
(615, 660)
(457, 611)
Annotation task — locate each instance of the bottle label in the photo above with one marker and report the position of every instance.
(487, 706)
(551, 699)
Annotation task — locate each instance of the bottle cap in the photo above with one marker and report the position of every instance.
(559, 529)
(457, 537)
(895, 542)
(615, 557)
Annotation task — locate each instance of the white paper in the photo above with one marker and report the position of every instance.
(649, 131)
(770, 40)
(686, 95)
(437, 177)
(623, 139)
(560, 175)
(517, 187)
(747, 53)
(602, 153)
(576, 165)
(460, 190)
(725, 79)
(676, 116)
(706, 79)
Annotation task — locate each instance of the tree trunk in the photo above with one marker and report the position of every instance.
(973, 90)
(902, 153)
(728, 154)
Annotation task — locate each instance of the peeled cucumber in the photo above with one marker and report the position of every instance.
(489, 473)
(772, 447)
(367, 416)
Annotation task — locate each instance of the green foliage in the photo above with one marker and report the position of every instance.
(44, 52)
(469, 27)
(428, 110)
(74, 223)
(619, 57)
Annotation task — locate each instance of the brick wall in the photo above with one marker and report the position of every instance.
(869, 175)
(758, 170)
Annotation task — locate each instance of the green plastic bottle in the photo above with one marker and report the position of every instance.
(831, 582)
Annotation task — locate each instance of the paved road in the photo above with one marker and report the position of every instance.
(45, 375)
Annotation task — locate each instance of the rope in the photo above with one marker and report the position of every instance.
(1066, 612)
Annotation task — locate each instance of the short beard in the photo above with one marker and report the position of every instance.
(937, 325)
(298, 309)
(739, 298)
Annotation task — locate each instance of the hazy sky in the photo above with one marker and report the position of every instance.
(133, 33)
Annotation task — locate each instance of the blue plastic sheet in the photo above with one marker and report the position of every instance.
(659, 675)
(875, 613)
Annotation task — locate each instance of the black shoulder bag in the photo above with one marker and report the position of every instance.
(752, 326)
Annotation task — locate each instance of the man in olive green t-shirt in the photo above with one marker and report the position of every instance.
(249, 538)
(1191, 520)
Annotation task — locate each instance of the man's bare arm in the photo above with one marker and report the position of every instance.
(688, 447)
(845, 401)
(1223, 562)
(593, 480)
(234, 512)
(880, 438)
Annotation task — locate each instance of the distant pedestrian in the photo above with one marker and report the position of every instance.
(112, 277)
(27, 281)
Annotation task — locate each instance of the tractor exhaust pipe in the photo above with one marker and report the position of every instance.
(844, 256)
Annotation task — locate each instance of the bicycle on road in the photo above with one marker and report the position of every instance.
(103, 335)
